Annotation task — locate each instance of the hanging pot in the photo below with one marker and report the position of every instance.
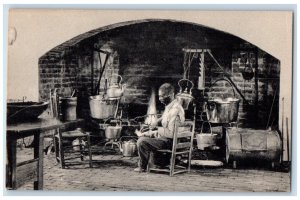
(220, 110)
(116, 90)
(185, 96)
(248, 72)
(101, 108)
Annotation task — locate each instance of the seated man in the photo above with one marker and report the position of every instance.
(151, 141)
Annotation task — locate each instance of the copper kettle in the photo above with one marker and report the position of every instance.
(116, 90)
(184, 95)
(129, 147)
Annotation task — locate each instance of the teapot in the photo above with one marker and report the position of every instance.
(116, 90)
(185, 96)
(128, 148)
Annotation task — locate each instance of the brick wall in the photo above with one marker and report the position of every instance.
(57, 70)
(143, 62)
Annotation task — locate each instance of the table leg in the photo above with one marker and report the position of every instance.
(11, 166)
(39, 153)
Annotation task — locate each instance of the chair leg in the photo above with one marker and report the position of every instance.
(55, 144)
(189, 161)
(89, 149)
(81, 149)
(61, 154)
(172, 164)
(234, 164)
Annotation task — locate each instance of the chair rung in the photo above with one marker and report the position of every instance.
(164, 151)
(71, 158)
(73, 135)
(169, 151)
(183, 145)
(77, 163)
(181, 152)
(27, 162)
(159, 170)
(180, 171)
(181, 167)
(76, 151)
(71, 147)
(184, 134)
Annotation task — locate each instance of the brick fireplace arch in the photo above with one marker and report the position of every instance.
(149, 52)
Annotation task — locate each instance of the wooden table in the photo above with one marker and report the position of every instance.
(37, 129)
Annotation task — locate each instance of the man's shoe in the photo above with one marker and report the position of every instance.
(138, 169)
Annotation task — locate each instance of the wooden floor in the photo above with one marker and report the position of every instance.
(113, 172)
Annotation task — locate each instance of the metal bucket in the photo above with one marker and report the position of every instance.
(101, 108)
(113, 132)
(205, 140)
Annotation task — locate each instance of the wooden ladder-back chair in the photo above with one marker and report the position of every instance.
(62, 140)
(182, 145)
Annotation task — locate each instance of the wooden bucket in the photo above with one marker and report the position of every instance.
(242, 143)
(68, 108)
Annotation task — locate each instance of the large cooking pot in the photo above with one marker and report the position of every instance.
(222, 110)
(184, 95)
(129, 147)
(101, 108)
(116, 90)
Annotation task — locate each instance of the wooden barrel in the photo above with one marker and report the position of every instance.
(244, 143)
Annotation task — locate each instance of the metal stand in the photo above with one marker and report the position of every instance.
(113, 142)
